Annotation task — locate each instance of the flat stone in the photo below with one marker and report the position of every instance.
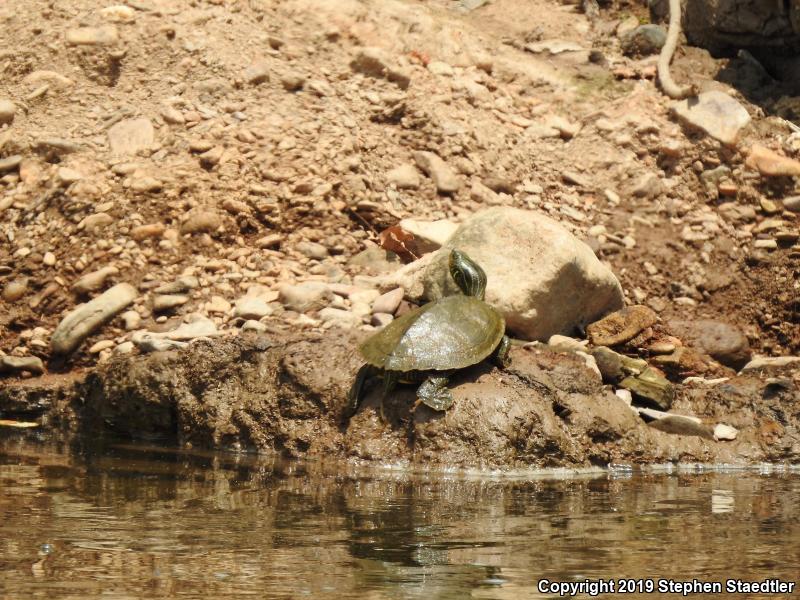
(165, 302)
(130, 136)
(146, 343)
(444, 178)
(676, 424)
(404, 177)
(388, 302)
(715, 113)
(201, 221)
(94, 281)
(340, 318)
(172, 115)
(771, 164)
(7, 111)
(79, 324)
(56, 147)
(146, 184)
(792, 204)
(304, 297)
(650, 386)
(312, 250)
(17, 364)
(151, 230)
(96, 221)
(252, 325)
(250, 307)
(200, 327)
(614, 366)
(376, 63)
(66, 176)
(218, 305)
(621, 326)
(724, 432)
(53, 79)
(180, 286)
(10, 163)
(98, 347)
(270, 241)
(762, 362)
(564, 343)
(118, 14)
(93, 36)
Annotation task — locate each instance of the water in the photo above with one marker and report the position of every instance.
(135, 522)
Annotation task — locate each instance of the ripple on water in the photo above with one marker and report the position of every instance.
(139, 521)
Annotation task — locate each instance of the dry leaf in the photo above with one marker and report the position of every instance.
(396, 239)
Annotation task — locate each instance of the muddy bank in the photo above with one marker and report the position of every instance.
(289, 394)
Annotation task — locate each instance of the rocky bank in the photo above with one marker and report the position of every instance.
(549, 409)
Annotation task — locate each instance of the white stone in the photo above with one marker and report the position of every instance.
(725, 432)
(771, 361)
(118, 14)
(339, 318)
(251, 307)
(715, 113)
(311, 295)
(130, 136)
(563, 343)
(403, 177)
(98, 347)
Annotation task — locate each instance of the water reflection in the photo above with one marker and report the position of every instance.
(138, 522)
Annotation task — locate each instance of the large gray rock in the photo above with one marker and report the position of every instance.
(542, 279)
(722, 26)
(86, 318)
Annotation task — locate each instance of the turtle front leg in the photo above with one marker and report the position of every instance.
(434, 393)
(501, 358)
(357, 390)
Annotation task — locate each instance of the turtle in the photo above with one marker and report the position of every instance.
(429, 343)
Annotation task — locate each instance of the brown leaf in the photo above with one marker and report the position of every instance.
(396, 239)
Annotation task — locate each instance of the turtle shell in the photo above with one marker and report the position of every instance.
(451, 333)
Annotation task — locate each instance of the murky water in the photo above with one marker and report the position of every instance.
(134, 521)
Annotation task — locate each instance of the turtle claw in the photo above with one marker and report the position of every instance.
(434, 393)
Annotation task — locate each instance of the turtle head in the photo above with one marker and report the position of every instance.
(467, 274)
